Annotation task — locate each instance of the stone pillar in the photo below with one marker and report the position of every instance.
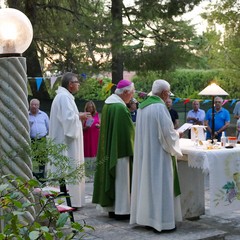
(14, 126)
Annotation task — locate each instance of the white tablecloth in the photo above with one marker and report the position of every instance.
(223, 166)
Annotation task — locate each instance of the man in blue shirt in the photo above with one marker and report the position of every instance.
(38, 120)
(39, 127)
(221, 119)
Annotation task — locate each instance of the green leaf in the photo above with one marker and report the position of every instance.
(89, 227)
(37, 225)
(59, 234)
(2, 236)
(17, 213)
(3, 187)
(15, 195)
(27, 204)
(70, 236)
(62, 219)
(44, 229)
(34, 235)
(18, 204)
(33, 182)
(77, 226)
(48, 236)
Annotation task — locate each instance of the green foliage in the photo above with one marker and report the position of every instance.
(79, 35)
(52, 90)
(164, 9)
(94, 89)
(170, 45)
(47, 222)
(186, 83)
(222, 48)
(229, 81)
(143, 81)
(55, 156)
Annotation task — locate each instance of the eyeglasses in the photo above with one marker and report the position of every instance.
(168, 92)
(75, 82)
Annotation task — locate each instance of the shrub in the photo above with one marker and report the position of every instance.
(94, 89)
(47, 222)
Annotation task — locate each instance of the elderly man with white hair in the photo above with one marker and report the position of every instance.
(115, 151)
(155, 186)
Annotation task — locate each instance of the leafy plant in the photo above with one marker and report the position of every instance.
(47, 222)
(184, 82)
(94, 89)
(55, 156)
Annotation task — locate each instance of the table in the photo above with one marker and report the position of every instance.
(223, 167)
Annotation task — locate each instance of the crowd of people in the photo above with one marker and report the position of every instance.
(132, 148)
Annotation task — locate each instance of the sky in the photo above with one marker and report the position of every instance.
(196, 19)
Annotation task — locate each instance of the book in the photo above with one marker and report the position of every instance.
(89, 122)
(184, 127)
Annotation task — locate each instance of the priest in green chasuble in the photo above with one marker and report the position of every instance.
(112, 179)
(155, 186)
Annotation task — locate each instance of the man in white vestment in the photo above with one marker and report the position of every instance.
(66, 128)
(155, 185)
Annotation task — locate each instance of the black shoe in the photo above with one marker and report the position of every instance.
(122, 217)
(165, 231)
(111, 214)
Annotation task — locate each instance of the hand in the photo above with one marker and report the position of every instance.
(180, 134)
(84, 115)
(97, 125)
(199, 122)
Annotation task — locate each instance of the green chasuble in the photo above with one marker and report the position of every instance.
(116, 141)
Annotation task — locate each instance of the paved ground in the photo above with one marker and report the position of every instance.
(225, 226)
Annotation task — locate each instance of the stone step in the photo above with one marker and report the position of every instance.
(193, 230)
(109, 229)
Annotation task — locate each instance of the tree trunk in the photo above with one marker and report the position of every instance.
(117, 41)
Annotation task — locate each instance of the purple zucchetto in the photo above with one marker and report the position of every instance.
(123, 83)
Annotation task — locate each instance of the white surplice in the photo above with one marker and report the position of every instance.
(66, 128)
(152, 197)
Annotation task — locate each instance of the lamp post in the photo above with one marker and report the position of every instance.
(213, 90)
(15, 37)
